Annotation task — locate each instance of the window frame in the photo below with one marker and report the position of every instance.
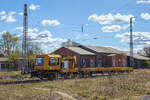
(38, 63)
(56, 61)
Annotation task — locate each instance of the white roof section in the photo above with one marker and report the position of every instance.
(137, 56)
(80, 51)
(103, 49)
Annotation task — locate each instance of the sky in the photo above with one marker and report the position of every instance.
(88, 22)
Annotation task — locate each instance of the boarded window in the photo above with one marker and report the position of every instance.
(83, 63)
(114, 62)
(92, 63)
(124, 62)
(99, 63)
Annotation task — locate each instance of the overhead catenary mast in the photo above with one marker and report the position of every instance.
(131, 44)
(25, 39)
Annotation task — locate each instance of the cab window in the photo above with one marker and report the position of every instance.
(39, 61)
(57, 61)
(53, 61)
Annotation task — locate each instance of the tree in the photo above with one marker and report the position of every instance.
(8, 43)
(145, 51)
(13, 60)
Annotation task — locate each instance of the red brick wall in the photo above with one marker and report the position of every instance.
(139, 63)
(118, 60)
(64, 52)
(89, 59)
(69, 53)
(107, 61)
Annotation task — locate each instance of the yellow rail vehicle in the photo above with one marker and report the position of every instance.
(52, 66)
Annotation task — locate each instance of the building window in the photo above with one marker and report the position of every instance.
(99, 63)
(83, 63)
(114, 62)
(92, 63)
(124, 62)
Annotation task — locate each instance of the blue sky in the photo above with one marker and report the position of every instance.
(105, 22)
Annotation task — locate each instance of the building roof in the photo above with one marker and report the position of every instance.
(80, 51)
(103, 49)
(75, 47)
(112, 50)
(137, 56)
(111, 55)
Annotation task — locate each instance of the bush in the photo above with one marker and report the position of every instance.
(13, 60)
(147, 64)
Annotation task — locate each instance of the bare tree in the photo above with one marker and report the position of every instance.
(8, 43)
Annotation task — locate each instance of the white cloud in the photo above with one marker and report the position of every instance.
(10, 19)
(143, 2)
(19, 28)
(44, 38)
(145, 16)
(20, 13)
(30, 30)
(33, 30)
(124, 27)
(3, 32)
(34, 7)
(3, 18)
(11, 13)
(47, 42)
(86, 35)
(50, 23)
(138, 37)
(3, 12)
(110, 18)
(78, 36)
(114, 28)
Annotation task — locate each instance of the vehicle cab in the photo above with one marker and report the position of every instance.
(47, 62)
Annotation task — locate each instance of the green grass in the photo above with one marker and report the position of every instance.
(121, 87)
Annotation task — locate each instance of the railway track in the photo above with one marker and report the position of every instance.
(32, 80)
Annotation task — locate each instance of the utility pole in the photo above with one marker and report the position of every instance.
(25, 40)
(131, 44)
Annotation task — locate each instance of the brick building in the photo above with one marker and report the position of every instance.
(98, 56)
(93, 56)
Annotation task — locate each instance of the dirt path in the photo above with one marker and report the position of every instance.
(57, 95)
